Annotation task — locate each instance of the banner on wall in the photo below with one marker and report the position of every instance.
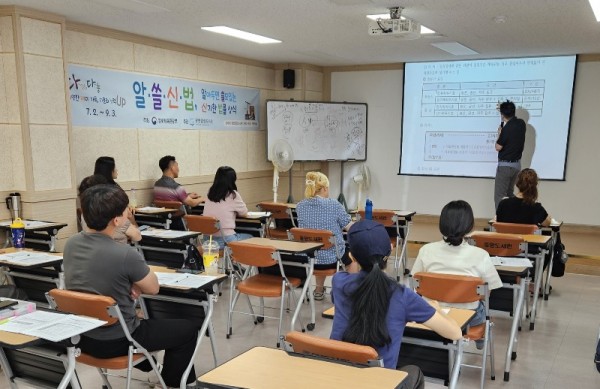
(110, 98)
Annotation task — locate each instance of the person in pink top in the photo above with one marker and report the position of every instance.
(226, 204)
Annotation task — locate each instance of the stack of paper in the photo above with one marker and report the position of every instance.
(184, 280)
(50, 325)
(28, 258)
(511, 261)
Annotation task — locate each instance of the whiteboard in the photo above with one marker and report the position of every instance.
(319, 131)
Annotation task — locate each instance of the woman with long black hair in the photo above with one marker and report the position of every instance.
(371, 309)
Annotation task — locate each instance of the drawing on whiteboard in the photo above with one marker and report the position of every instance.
(354, 143)
(319, 131)
(288, 121)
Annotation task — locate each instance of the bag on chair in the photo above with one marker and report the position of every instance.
(560, 258)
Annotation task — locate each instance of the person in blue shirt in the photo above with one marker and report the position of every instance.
(372, 309)
(318, 211)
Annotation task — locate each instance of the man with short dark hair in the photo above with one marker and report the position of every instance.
(509, 145)
(95, 263)
(167, 189)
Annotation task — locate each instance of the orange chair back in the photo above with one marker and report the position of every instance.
(448, 288)
(168, 204)
(253, 255)
(515, 228)
(329, 348)
(500, 245)
(206, 225)
(325, 237)
(278, 210)
(86, 304)
(384, 216)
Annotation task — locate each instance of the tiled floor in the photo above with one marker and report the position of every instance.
(557, 354)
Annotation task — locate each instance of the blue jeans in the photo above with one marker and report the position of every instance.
(229, 238)
(479, 315)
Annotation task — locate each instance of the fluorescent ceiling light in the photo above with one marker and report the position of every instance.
(454, 48)
(424, 30)
(596, 8)
(240, 34)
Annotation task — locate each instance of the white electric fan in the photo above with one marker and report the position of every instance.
(282, 156)
(363, 180)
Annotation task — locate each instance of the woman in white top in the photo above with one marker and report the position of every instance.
(453, 255)
(225, 203)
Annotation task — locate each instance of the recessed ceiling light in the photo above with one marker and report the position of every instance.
(454, 48)
(241, 34)
(424, 30)
(596, 8)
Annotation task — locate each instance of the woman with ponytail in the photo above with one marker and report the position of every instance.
(524, 208)
(371, 309)
(453, 255)
(318, 211)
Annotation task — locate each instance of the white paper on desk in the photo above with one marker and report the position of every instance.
(511, 261)
(28, 258)
(166, 234)
(149, 209)
(69, 325)
(169, 278)
(255, 214)
(50, 325)
(183, 280)
(35, 223)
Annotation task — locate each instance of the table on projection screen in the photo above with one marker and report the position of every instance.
(450, 117)
(319, 131)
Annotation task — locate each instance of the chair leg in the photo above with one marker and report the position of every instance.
(103, 374)
(213, 342)
(292, 297)
(492, 363)
(281, 313)
(231, 305)
(484, 356)
(129, 367)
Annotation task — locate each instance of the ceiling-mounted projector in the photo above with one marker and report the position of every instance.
(399, 28)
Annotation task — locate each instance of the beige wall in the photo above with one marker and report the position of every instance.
(45, 158)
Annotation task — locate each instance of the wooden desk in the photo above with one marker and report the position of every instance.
(418, 341)
(166, 247)
(543, 242)
(294, 248)
(14, 341)
(266, 368)
(33, 235)
(35, 279)
(155, 216)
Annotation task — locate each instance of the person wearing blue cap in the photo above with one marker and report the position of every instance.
(372, 309)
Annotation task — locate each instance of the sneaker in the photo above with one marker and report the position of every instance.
(318, 296)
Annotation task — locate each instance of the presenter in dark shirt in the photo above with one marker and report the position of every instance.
(509, 145)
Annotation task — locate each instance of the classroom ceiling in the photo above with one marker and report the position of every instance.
(334, 32)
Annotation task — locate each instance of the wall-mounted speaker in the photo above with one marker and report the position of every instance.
(289, 78)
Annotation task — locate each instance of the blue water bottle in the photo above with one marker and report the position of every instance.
(369, 210)
(17, 229)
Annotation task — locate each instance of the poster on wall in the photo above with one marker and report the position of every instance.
(110, 98)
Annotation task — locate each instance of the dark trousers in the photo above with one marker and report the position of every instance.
(504, 186)
(176, 336)
(414, 379)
